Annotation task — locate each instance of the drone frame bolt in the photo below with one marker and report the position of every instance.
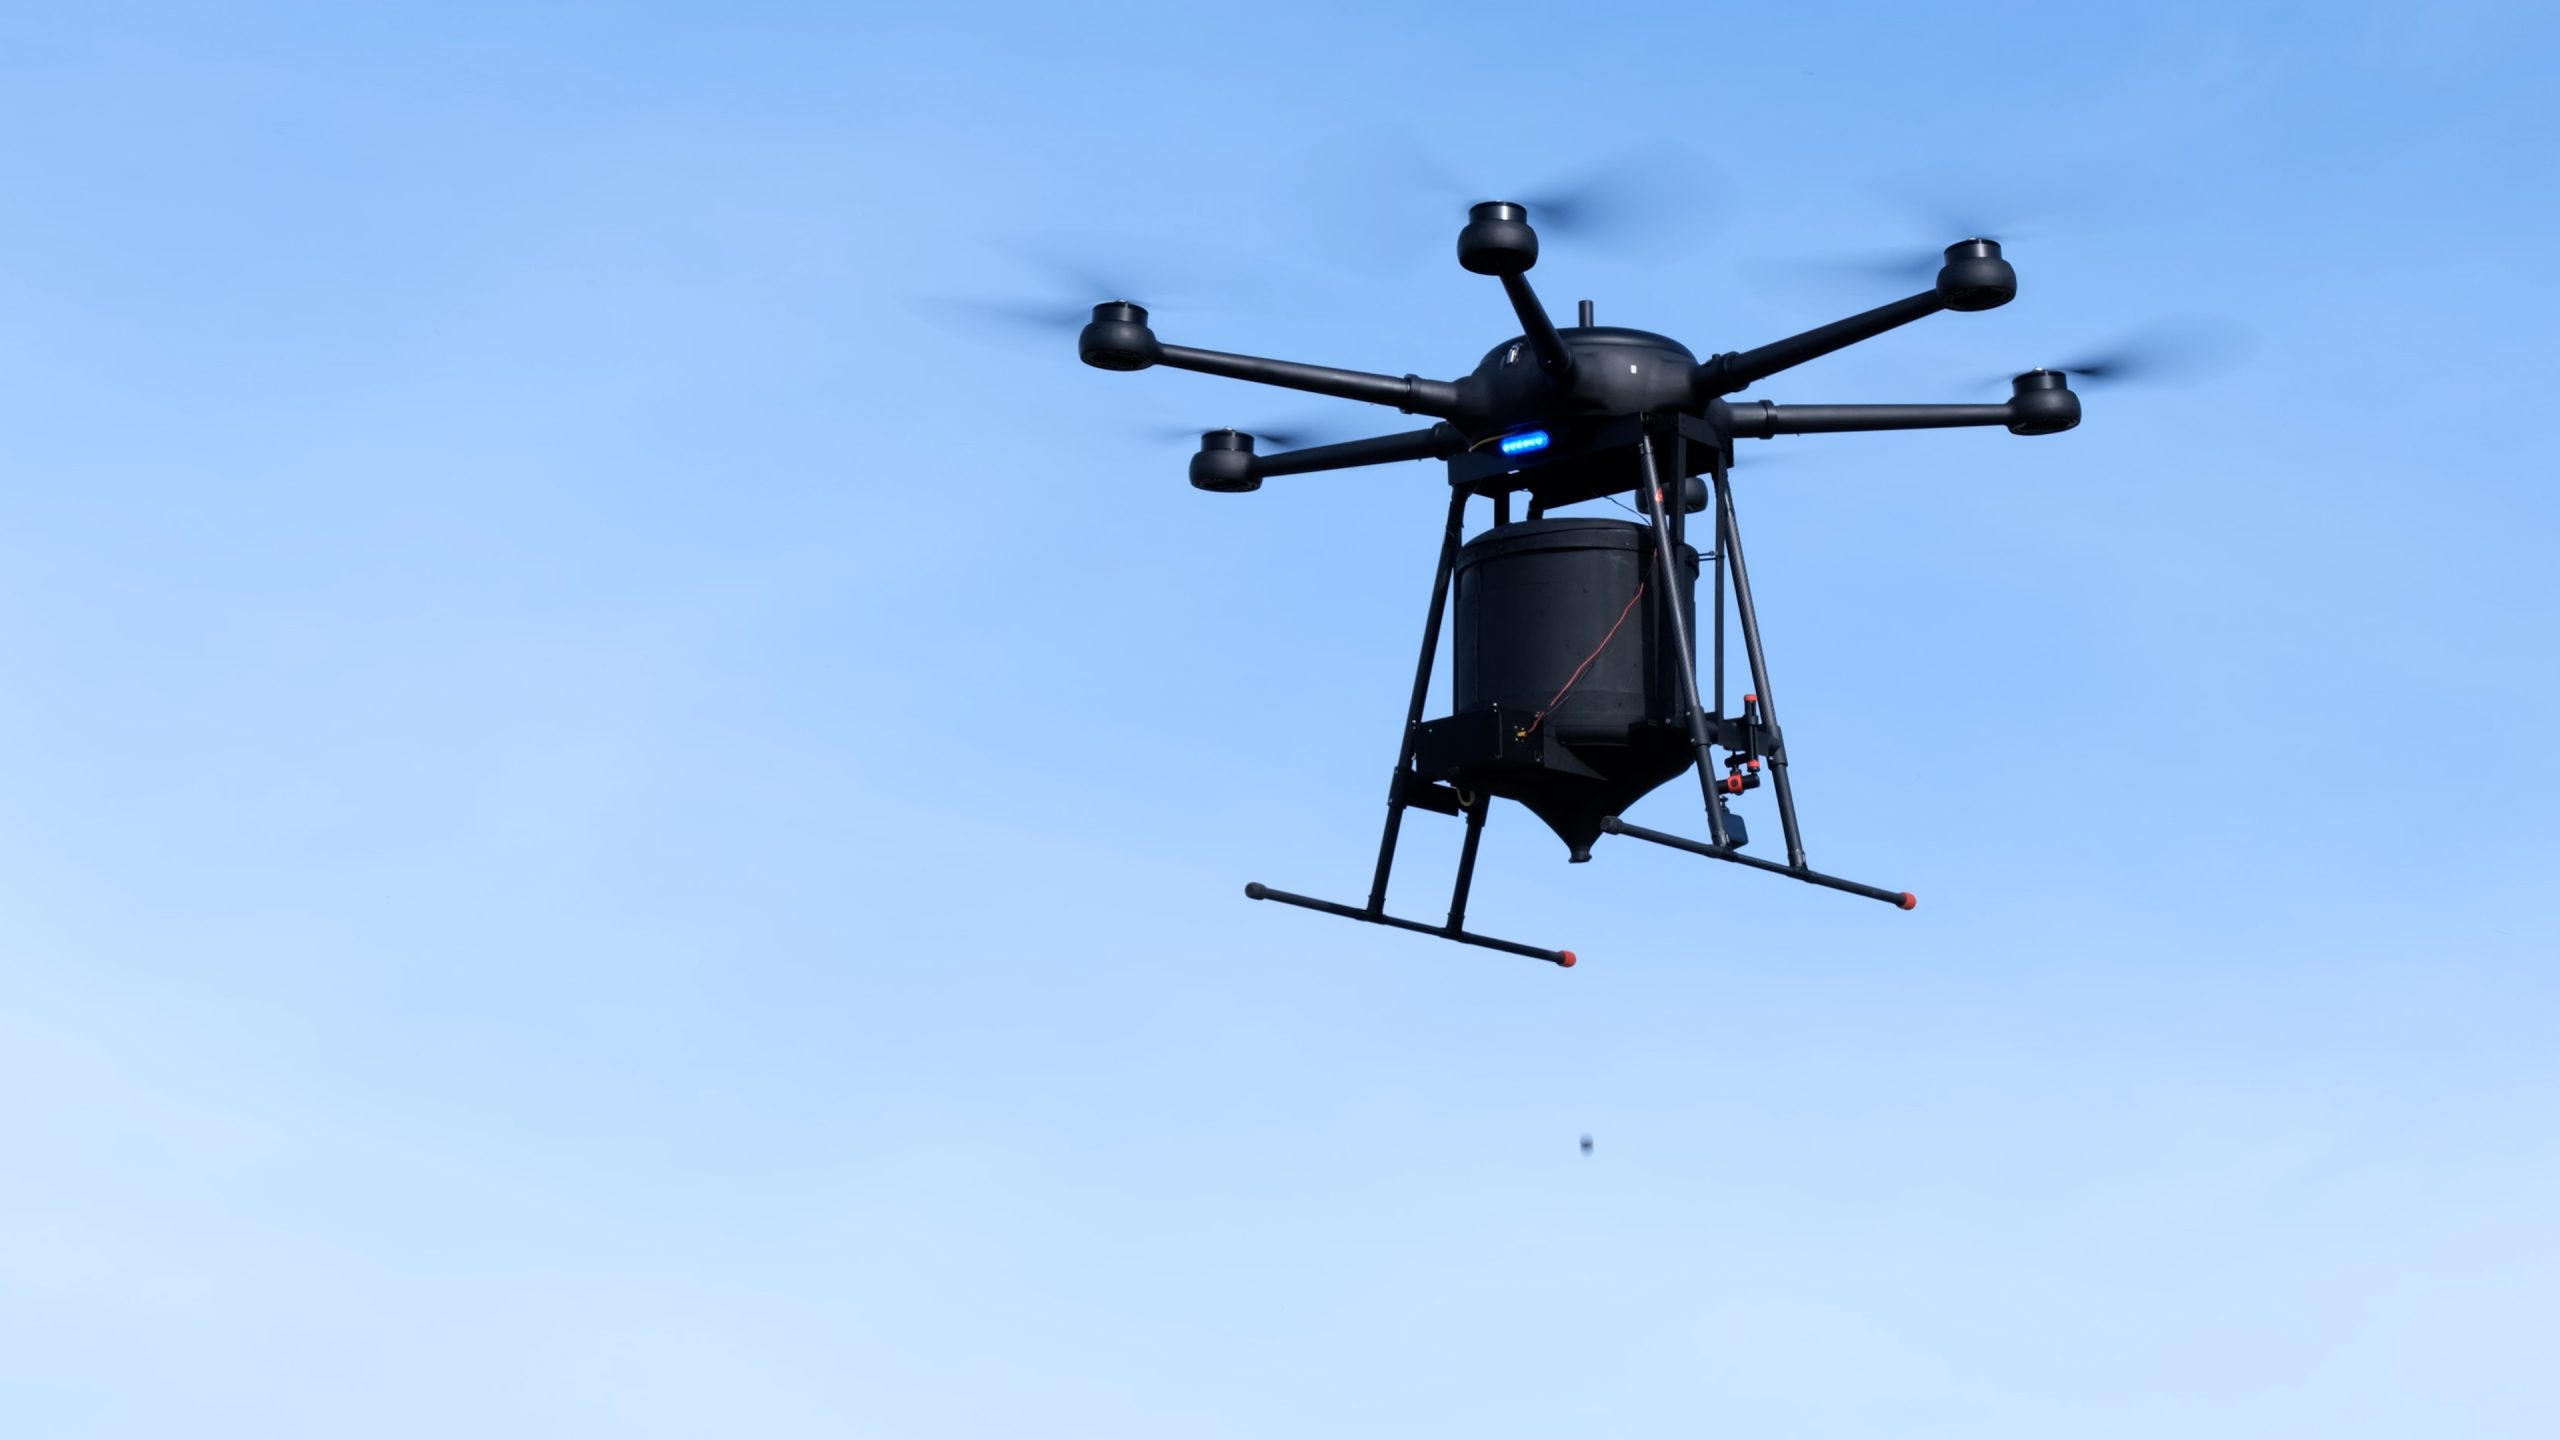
(1498, 240)
(1975, 277)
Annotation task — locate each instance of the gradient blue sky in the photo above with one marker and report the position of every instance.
(609, 831)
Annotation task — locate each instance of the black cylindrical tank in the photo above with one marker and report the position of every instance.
(1535, 600)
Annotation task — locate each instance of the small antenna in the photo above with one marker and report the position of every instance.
(1586, 314)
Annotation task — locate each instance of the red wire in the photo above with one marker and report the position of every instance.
(1571, 680)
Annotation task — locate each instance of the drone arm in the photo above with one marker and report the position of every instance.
(1436, 443)
(1724, 374)
(1410, 394)
(1760, 420)
(2040, 404)
(1499, 242)
(1553, 357)
(1973, 277)
(1226, 462)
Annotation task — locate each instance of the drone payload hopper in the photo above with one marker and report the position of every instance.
(1567, 694)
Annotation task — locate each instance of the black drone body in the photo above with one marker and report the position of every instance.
(1574, 657)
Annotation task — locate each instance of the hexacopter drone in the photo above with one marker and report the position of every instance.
(1574, 658)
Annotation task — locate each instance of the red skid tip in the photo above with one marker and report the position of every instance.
(1568, 957)
(1908, 900)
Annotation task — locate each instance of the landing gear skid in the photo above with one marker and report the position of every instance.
(1899, 899)
(1759, 724)
(1258, 891)
(1404, 788)
(1752, 735)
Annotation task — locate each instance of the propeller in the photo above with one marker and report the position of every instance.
(1658, 195)
(2074, 198)
(1630, 199)
(1037, 317)
(1075, 273)
(2176, 351)
(1907, 267)
(1292, 436)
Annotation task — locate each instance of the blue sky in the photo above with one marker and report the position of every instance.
(613, 829)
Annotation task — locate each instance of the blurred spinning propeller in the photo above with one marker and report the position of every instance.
(1076, 273)
(1659, 196)
(1293, 435)
(2073, 198)
(2179, 350)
